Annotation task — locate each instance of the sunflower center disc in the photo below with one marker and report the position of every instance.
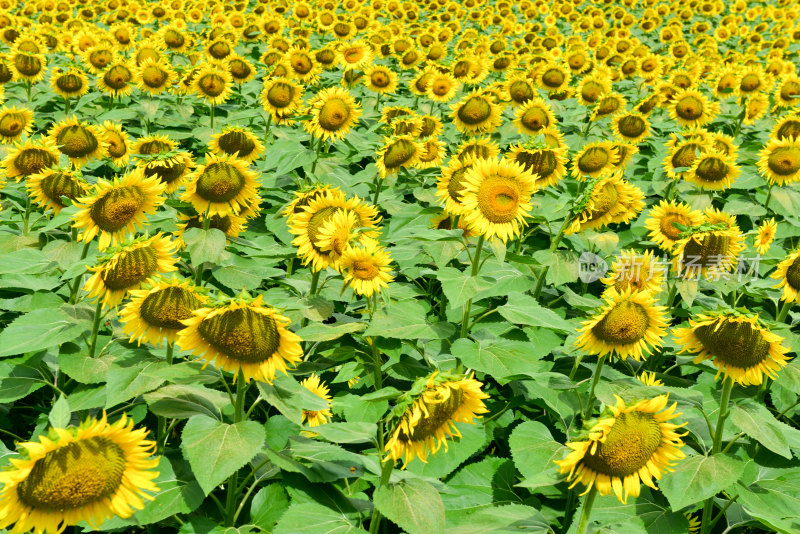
(212, 85)
(709, 251)
(441, 87)
(591, 91)
(441, 403)
(737, 344)
(520, 92)
(631, 126)
(101, 58)
(154, 146)
(219, 50)
(69, 83)
(132, 268)
(116, 144)
(498, 199)
(790, 90)
(784, 161)
(749, 83)
(280, 95)
(535, 119)
(33, 160)
(220, 182)
(379, 79)
(793, 275)
(398, 153)
(685, 156)
(317, 221)
(334, 114)
(542, 162)
(76, 141)
(117, 77)
(116, 208)
(625, 323)
(58, 185)
(606, 106)
(168, 307)
(236, 142)
(689, 108)
(241, 334)
(154, 77)
(712, 170)
(28, 65)
(364, 270)
(301, 64)
(11, 124)
(553, 78)
(75, 475)
(669, 229)
(630, 443)
(594, 159)
(455, 185)
(474, 111)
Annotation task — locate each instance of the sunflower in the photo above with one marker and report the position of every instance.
(29, 67)
(71, 83)
(649, 379)
(708, 251)
(478, 148)
(154, 76)
(629, 324)
(79, 141)
(533, 116)
(726, 83)
(14, 123)
(213, 83)
(444, 221)
(450, 186)
(116, 79)
(779, 160)
(682, 155)
(29, 157)
(712, 171)
(281, 97)
(48, 186)
(631, 126)
(755, 108)
(153, 144)
(476, 113)
(427, 423)
(380, 79)
(128, 266)
(594, 160)
(496, 197)
(663, 218)
(355, 55)
(397, 152)
(170, 168)
(334, 112)
(118, 143)
(765, 235)
(635, 271)
(739, 346)
(787, 92)
(609, 200)
(366, 268)
(223, 185)
(788, 272)
(547, 165)
(419, 85)
(406, 125)
(607, 105)
(591, 88)
(630, 446)
(230, 225)
(155, 312)
(117, 208)
(89, 473)
(241, 335)
(519, 89)
(303, 66)
(304, 196)
(442, 87)
(432, 153)
(237, 141)
(240, 68)
(690, 107)
(553, 77)
(317, 387)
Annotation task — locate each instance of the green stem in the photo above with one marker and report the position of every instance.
(212, 116)
(98, 315)
(77, 282)
(741, 119)
(66, 105)
(386, 471)
(708, 507)
(587, 510)
(311, 292)
(238, 416)
(769, 196)
(673, 290)
(378, 187)
(476, 263)
(198, 273)
(377, 372)
(784, 311)
(595, 379)
(266, 135)
(553, 246)
(316, 157)
(170, 351)
(431, 110)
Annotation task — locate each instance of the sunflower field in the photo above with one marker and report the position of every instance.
(384, 266)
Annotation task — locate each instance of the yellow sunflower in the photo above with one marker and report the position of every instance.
(355, 55)
(14, 123)
(223, 185)
(547, 165)
(442, 87)
(213, 83)
(779, 160)
(630, 446)
(427, 423)
(89, 473)
(607, 105)
(478, 148)
(713, 170)
(317, 387)
(334, 112)
(553, 77)
(70, 83)
(155, 312)
(631, 126)
(788, 272)
(649, 379)
(380, 79)
(366, 268)
(610, 200)
(662, 219)
(116, 80)
(116, 209)
(303, 66)
(304, 196)
(476, 113)
(170, 168)
(432, 153)
(519, 89)
(534, 115)
(128, 266)
(237, 141)
(635, 271)
(281, 97)
(450, 186)
(397, 152)
(48, 186)
(594, 160)
(496, 197)
(154, 76)
(79, 141)
(118, 142)
(690, 107)
(707, 251)
(242, 335)
(29, 67)
(739, 346)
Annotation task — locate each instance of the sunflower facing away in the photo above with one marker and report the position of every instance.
(425, 425)
(738, 345)
(708, 251)
(79, 141)
(242, 335)
(629, 324)
(629, 446)
(318, 388)
(14, 123)
(89, 473)
(548, 165)
(450, 186)
(334, 112)
(366, 268)
(237, 141)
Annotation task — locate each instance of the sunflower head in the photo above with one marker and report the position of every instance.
(397, 152)
(79, 141)
(334, 112)
(237, 141)
(476, 113)
(48, 186)
(14, 123)
(710, 248)
(366, 268)
(780, 160)
(317, 387)
(30, 158)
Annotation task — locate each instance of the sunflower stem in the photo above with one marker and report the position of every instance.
(212, 116)
(741, 119)
(595, 379)
(233, 481)
(66, 105)
(311, 292)
(266, 135)
(98, 315)
(587, 510)
(553, 246)
(708, 507)
(170, 351)
(316, 157)
(378, 186)
(73, 295)
(386, 472)
(476, 265)
(781, 318)
(769, 196)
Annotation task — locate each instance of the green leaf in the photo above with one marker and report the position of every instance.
(348, 432)
(412, 504)
(20, 377)
(525, 310)
(60, 413)
(75, 361)
(647, 513)
(26, 261)
(775, 501)
(459, 286)
(757, 422)
(216, 450)
(534, 450)
(205, 246)
(179, 401)
(509, 518)
(268, 506)
(329, 332)
(290, 398)
(700, 477)
(406, 320)
(474, 438)
(500, 358)
(477, 485)
(314, 518)
(133, 374)
(41, 329)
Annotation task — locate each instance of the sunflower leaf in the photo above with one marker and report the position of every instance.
(700, 477)
(757, 422)
(412, 504)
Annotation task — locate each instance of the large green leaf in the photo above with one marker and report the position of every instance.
(181, 401)
(699, 477)
(205, 246)
(312, 518)
(268, 506)
(508, 518)
(534, 450)
(290, 398)
(644, 514)
(525, 310)
(756, 421)
(41, 329)
(216, 450)
(413, 504)
(501, 358)
(406, 320)
(20, 377)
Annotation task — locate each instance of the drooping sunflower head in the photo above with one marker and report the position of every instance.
(635, 271)
(779, 160)
(116, 209)
(737, 343)
(547, 165)
(591, 88)
(281, 96)
(594, 160)
(713, 170)
(397, 152)
(70, 83)
(476, 113)
(153, 144)
(29, 67)
(316, 386)
(241, 335)
(223, 185)
(708, 249)
(237, 141)
(30, 157)
(607, 105)
(213, 83)
(432, 153)
(608, 200)
(79, 141)
(631, 126)
(334, 112)
(430, 418)
(171, 168)
(48, 186)
(629, 446)
(553, 77)
(118, 143)
(155, 312)
(116, 79)
(14, 123)
(478, 148)
(154, 76)
(88, 473)
(668, 219)
(128, 266)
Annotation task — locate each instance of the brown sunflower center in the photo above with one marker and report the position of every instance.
(535, 119)
(625, 323)
(301, 64)
(365, 270)
(117, 208)
(706, 250)
(540, 162)
(440, 405)
(790, 91)
(241, 334)
(281, 94)
(173, 39)
(100, 58)
(117, 77)
(167, 307)
(239, 69)
(219, 50)
(154, 77)
(456, 183)
(116, 144)
(5, 73)
(380, 79)
(632, 126)
(76, 141)
(629, 445)
(499, 199)
(220, 182)
(593, 159)
(28, 65)
(737, 344)
(685, 155)
(59, 184)
(32, 160)
(669, 229)
(317, 221)
(334, 114)
(591, 91)
(428, 127)
(75, 475)
(132, 267)
(784, 161)
(553, 78)
(711, 169)
(749, 83)
(12, 124)
(520, 91)
(154, 146)
(211, 84)
(793, 275)
(399, 153)
(236, 142)
(167, 171)
(475, 111)
(69, 83)
(689, 108)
